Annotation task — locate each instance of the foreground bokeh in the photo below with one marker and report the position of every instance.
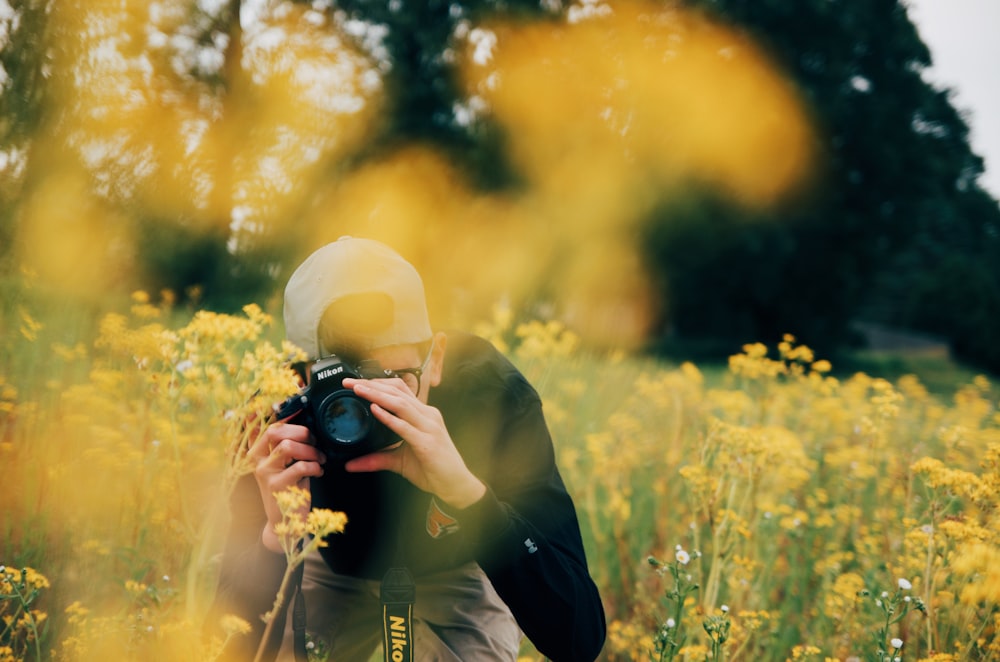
(789, 514)
(169, 131)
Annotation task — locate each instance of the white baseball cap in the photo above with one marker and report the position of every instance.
(364, 294)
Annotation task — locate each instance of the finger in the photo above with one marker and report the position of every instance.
(297, 474)
(419, 425)
(398, 424)
(289, 431)
(399, 402)
(388, 460)
(381, 388)
(288, 453)
(274, 471)
(274, 435)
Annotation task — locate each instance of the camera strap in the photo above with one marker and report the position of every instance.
(299, 613)
(398, 593)
(299, 618)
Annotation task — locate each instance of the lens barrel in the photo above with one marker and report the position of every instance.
(344, 418)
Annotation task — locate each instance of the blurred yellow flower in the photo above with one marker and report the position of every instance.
(29, 325)
(232, 624)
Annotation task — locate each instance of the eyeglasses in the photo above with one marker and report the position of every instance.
(411, 376)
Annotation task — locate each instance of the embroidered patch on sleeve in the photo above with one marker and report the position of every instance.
(439, 523)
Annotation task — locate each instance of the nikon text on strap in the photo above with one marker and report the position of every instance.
(398, 595)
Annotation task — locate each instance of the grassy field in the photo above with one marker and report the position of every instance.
(761, 510)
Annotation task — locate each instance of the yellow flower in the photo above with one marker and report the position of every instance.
(134, 588)
(627, 638)
(32, 579)
(939, 476)
(545, 340)
(257, 316)
(291, 499)
(76, 612)
(232, 624)
(322, 522)
(802, 652)
(981, 564)
(754, 364)
(297, 524)
(821, 366)
(695, 652)
(29, 325)
(842, 599)
(752, 621)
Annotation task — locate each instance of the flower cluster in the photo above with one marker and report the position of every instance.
(130, 450)
(20, 622)
(303, 529)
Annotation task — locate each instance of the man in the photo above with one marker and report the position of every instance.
(469, 501)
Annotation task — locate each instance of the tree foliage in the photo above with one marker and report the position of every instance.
(23, 64)
(897, 210)
(422, 83)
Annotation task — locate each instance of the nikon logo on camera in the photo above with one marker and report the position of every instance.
(330, 372)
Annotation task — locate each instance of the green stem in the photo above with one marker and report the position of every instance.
(278, 600)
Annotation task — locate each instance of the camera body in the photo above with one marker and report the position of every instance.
(340, 420)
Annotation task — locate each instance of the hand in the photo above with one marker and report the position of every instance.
(285, 455)
(427, 457)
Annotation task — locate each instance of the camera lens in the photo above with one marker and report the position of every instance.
(345, 418)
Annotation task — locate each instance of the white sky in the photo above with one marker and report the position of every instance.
(964, 39)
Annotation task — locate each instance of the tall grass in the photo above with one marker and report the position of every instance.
(764, 511)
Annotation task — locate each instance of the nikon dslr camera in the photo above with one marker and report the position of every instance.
(340, 420)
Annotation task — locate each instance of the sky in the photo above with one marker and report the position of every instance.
(964, 39)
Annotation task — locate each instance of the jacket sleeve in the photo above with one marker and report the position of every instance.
(249, 577)
(526, 537)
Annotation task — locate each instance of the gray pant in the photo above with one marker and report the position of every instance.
(458, 616)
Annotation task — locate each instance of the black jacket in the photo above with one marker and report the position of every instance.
(524, 533)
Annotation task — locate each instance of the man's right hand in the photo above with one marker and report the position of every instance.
(285, 455)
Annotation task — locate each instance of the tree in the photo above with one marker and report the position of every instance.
(897, 163)
(24, 60)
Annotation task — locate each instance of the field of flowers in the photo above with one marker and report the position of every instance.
(770, 511)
